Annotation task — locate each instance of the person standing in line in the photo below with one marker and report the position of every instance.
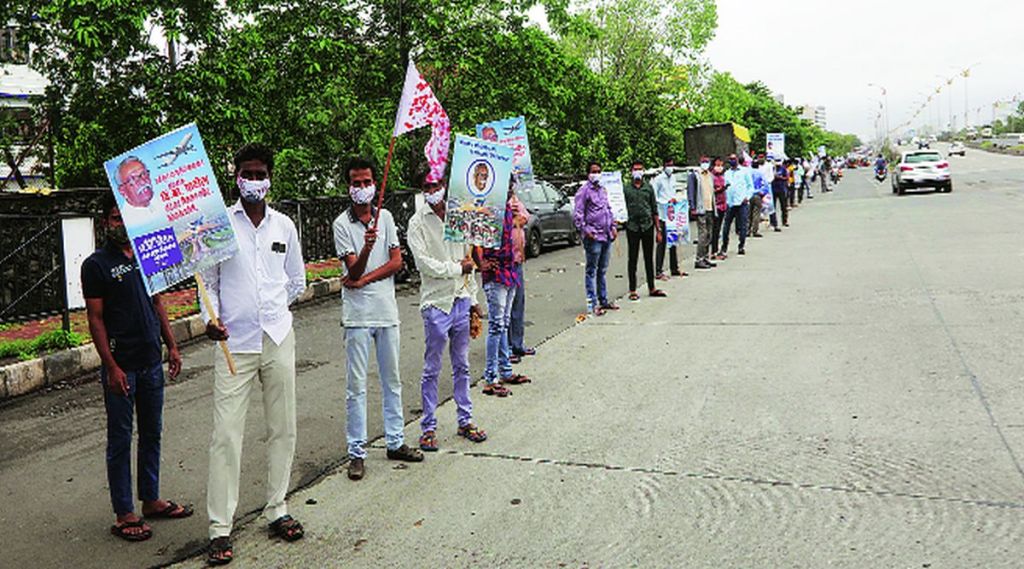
(824, 173)
(721, 207)
(596, 223)
(779, 197)
(448, 295)
(500, 280)
(798, 180)
(643, 227)
(791, 182)
(251, 293)
(127, 326)
(700, 191)
(754, 224)
(808, 173)
(664, 185)
(371, 255)
(517, 322)
(738, 188)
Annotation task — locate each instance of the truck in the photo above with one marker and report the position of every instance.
(715, 140)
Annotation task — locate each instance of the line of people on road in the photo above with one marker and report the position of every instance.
(249, 311)
(721, 192)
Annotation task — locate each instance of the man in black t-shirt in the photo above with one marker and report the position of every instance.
(126, 326)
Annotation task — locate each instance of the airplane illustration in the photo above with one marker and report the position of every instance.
(183, 147)
(513, 128)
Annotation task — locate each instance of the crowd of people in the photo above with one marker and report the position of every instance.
(250, 295)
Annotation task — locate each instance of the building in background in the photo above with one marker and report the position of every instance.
(814, 114)
(23, 140)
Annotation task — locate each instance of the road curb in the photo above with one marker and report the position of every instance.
(22, 378)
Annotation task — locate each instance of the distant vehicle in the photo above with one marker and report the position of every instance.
(550, 218)
(921, 169)
(957, 148)
(972, 133)
(986, 132)
(923, 143)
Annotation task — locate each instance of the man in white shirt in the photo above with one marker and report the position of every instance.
(251, 293)
(448, 294)
(370, 315)
(664, 185)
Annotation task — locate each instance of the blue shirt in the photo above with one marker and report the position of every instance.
(739, 187)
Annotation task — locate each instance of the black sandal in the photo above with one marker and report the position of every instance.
(286, 528)
(220, 552)
(119, 531)
(172, 512)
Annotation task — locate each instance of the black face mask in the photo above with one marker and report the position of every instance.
(118, 235)
(733, 163)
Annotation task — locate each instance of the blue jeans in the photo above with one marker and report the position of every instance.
(357, 349)
(145, 403)
(517, 323)
(499, 311)
(598, 255)
(741, 214)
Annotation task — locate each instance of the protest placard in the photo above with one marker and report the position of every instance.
(172, 208)
(477, 190)
(776, 145)
(677, 220)
(612, 183)
(512, 132)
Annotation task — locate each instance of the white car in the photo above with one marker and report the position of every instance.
(921, 169)
(957, 148)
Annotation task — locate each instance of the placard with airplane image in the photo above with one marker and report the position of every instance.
(172, 208)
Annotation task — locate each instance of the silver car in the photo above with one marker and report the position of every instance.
(921, 169)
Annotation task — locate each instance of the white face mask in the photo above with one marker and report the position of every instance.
(637, 174)
(362, 196)
(253, 191)
(705, 165)
(434, 198)
(594, 178)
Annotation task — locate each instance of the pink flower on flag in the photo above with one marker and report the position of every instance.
(418, 108)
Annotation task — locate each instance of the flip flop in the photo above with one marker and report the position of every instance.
(119, 531)
(172, 512)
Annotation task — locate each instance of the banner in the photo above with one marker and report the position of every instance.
(512, 132)
(477, 190)
(612, 184)
(776, 145)
(767, 204)
(172, 208)
(677, 220)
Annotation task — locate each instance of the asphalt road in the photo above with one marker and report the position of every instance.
(56, 505)
(846, 395)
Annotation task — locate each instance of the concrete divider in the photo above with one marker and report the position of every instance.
(22, 378)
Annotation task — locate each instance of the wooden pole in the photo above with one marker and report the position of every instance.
(384, 182)
(213, 318)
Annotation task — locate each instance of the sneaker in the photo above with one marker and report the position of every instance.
(777, 230)
(702, 265)
(405, 454)
(356, 469)
(741, 252)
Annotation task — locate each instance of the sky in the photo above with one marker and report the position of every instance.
(823, 52)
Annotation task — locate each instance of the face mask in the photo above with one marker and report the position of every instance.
(434, 198)
(363, 196)
(705, 165)
(253, 191)
(718, 169)
(638, 174)
(594, 178)
(118, 235)
(733, 163)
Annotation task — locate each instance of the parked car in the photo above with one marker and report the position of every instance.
(921, 169)
(550, 218)
(957, 148)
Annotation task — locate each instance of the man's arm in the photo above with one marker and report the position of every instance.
(117, 380)
(215, 330)
(428, 265)
(355, 261)
(387, 270)
(173, 357)
(294, 266)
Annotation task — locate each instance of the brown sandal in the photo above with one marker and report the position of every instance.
(496, 389)
(517, 379)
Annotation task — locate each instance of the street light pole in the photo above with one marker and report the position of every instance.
(885, 95)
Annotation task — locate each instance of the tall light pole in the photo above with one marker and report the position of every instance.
(966, 74)
(885, 94)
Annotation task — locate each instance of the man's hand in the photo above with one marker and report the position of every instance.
(216, 331)
(475, 309)
(173, 362)
(371, 238)
(467, 266)
(657, 235)
(355, 283)
(117, 380)
(615, 233)
(589, 235)
(486, 265)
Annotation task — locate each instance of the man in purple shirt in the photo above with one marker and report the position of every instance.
(596, 224)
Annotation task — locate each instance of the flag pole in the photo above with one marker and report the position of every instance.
(384, 182)
(213, 318)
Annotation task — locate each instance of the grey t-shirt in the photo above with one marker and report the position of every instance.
(374, 305)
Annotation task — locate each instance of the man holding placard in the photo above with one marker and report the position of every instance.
(251, 293)
(596, 223)
(127, 325)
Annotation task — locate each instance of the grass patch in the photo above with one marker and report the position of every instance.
(321, 274)
(48, 342)
(986, 144)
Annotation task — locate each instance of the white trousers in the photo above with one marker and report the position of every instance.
(274, 369)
